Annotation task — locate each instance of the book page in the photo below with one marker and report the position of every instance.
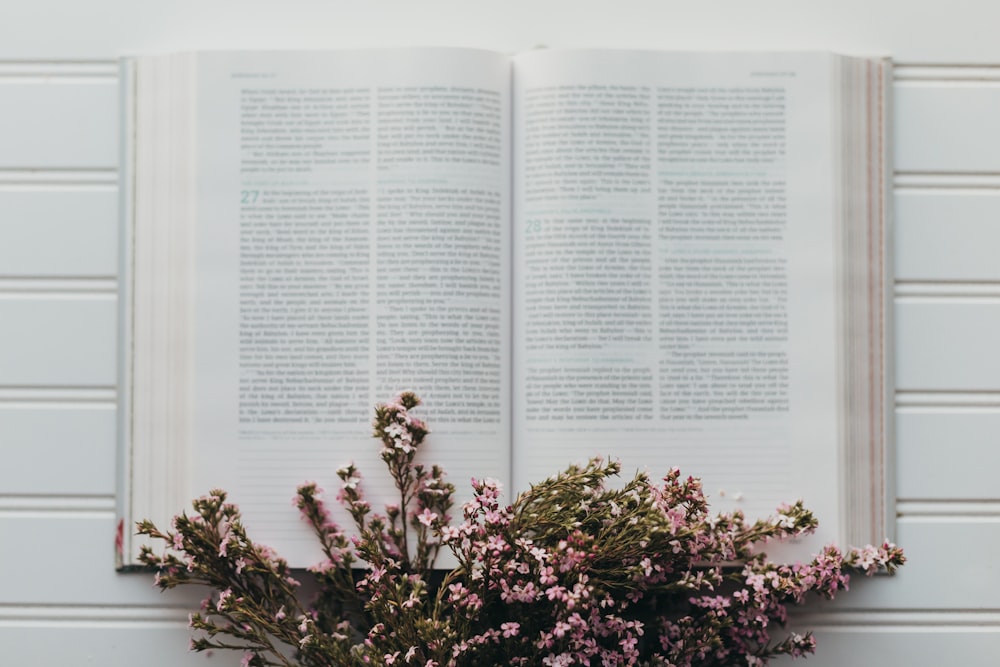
(675, 272)
(353, 242)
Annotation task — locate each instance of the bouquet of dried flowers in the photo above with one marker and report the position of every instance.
(575, 571)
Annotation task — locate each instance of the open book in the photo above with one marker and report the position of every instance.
(675, 259)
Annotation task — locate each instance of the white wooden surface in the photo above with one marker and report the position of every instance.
(42, 232)
(61, 602)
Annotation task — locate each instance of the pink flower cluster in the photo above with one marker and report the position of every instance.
(576, 571)
(590, 575)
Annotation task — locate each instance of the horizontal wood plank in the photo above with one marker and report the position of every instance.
(946, 128)
(947, 344)
(939, 32)
(105, 645)
(59, 125)
(69, 559)
(899, 647)
(937, 127)
(57, 450)
(58, 341)
(950, 566)
(110, 644)
(947, 236)
(947, 454)
(55, 232)
(929, 580)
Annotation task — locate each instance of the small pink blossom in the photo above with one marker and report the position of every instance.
(427, 517)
